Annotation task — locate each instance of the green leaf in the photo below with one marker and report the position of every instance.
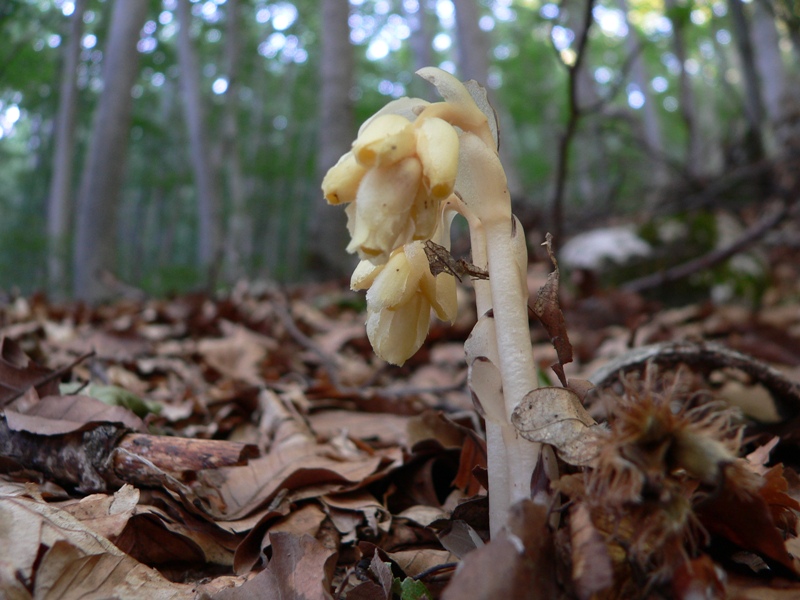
(410, 589)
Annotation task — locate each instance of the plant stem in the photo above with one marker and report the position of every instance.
(511, 459)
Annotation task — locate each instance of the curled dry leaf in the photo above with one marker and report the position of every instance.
(301, 567)
(64, 558)
(547, 309)
(555, 416)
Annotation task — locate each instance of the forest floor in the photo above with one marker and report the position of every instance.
(252, 446)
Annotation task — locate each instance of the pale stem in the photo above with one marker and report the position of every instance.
(511, 459)
(509, 300)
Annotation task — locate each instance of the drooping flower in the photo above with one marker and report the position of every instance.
(400, 297)
(400, 168)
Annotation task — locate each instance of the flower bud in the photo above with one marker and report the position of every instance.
(397, 334)
(340, 184)
(383, 204)
(437, 149)
(386, 140)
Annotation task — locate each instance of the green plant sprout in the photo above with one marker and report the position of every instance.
(412, 168)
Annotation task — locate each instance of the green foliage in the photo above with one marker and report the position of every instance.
(277, 105)
(410, 589)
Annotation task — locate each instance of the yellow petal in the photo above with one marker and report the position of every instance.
(385, 141)
(363, 275)
(397, 282)
(424, 214)
(382, 219)
(441, 293)
(396, 335)
(340, 183)
(437, 149)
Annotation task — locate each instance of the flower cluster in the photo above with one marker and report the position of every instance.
(402, 167)
(394, 177)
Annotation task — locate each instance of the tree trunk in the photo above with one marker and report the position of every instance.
(238, 242)
(651, 127)
(59, 202)
(473, 63)
(753, 108)
(104, 169)
(328, 233)
(686, 93)
(769, 61)
(205, 175)
(421, 45)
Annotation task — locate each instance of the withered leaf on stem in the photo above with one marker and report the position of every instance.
(548, 310)
(441, 261)
(555, 416)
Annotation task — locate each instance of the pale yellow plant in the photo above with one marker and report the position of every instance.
(414, 165)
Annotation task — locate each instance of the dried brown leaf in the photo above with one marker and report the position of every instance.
(301, 567)
(518, 561)
(548, 310)
(77, 561)
(18, 373)
(555, 416)
(56, 415)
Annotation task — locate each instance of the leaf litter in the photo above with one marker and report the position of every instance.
(251, 446)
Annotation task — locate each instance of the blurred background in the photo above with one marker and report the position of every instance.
(170, 145)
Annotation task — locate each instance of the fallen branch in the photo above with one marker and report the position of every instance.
(713, 258)
(103, 457)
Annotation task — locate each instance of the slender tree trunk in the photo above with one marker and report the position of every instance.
(205, 175)
(103, 173)
(769, 62)
(688, 107)
(473, 63)
(238, 243)
(59, 202)
(753, 108)
(421, 44)
(328, 233)
(651, 127)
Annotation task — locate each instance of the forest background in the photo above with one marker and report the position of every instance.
(166, 145)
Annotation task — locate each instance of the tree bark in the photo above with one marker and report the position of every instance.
(651, 127)
(104, 169)
(328, 233)
(59, 202)
(688, 108)
(421, 45)
(753, 107)
(238, 242)
(769, 62)
(205, 175)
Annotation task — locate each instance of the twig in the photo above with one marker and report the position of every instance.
(575, 114)
(713, 258)
(435, 569)
(52, 376)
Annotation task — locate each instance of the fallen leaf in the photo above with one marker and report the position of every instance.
(555, 416)
(301, 567)
(514, 564)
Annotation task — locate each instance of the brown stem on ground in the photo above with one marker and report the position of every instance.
(106, 456)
